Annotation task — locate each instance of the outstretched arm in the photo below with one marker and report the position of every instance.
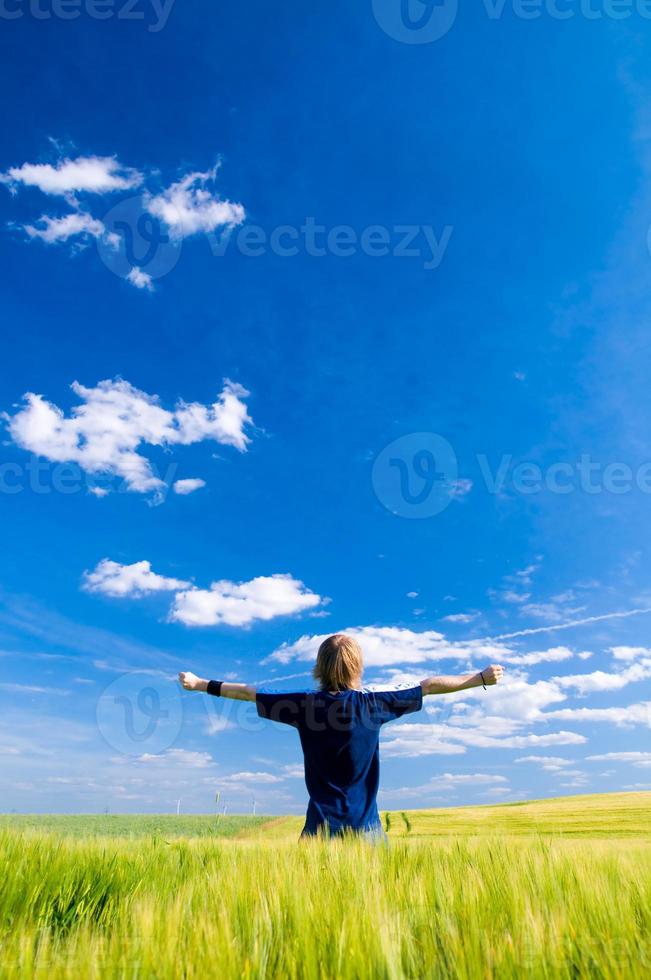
(446, 684)
(240, 692)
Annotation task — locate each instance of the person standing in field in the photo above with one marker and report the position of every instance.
(339, 728)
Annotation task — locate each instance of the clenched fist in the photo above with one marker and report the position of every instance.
(492, 674)
(191, 682)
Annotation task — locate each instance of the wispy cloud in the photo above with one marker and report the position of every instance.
(91, 174)
(31, 689)
(189, 207)
(25, 619)
(54, 230)
(104, 433)
(186, 207)
(185, 487)
(460, 618)
(571, 624)
(140, 279)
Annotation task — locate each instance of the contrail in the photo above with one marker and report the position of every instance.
(567, 626)
(287, 677)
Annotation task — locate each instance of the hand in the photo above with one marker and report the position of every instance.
(492, 674)
(191, 682)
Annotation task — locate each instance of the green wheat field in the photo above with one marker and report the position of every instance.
(550, 888)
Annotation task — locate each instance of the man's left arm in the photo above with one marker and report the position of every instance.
(448, 684)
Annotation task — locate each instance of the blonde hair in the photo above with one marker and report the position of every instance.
(339, 663)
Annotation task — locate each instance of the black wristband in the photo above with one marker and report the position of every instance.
(481, 674)
(214, 687)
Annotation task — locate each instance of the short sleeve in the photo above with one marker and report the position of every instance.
(286, 708)
(388, 705)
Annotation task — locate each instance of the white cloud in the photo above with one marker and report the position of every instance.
(412, 595)
(552, 611)
(176, 757)
(54, 230)
(460, 779)
(459, 618)
(632, 714)
(387, 645)
(414, 740)
(459, 488)
(630, 653)
(187, 207)
(552, 763)
(230, 603)
(640, 759)
(217, 724)
(552, 655)
(238, 604)
(247, 779)
(103, 434)
(498, 719)
(526, 574)
(294, 771)
(447, 781)
(97, 175)
(579, 781)
(111, 578)
(516, 597)
(601, 680)
(185, 487)
(140, 279)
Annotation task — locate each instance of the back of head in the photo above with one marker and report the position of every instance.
(339, 663)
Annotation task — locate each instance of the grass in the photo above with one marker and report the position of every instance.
(143, 825)
(558, 888)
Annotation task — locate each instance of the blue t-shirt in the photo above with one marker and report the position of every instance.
(340, 736)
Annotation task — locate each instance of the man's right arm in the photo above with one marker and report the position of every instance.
(448, 683)
(238, 692)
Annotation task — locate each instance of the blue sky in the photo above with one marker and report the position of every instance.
(396, 339)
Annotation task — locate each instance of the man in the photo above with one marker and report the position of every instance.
(339, 728)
